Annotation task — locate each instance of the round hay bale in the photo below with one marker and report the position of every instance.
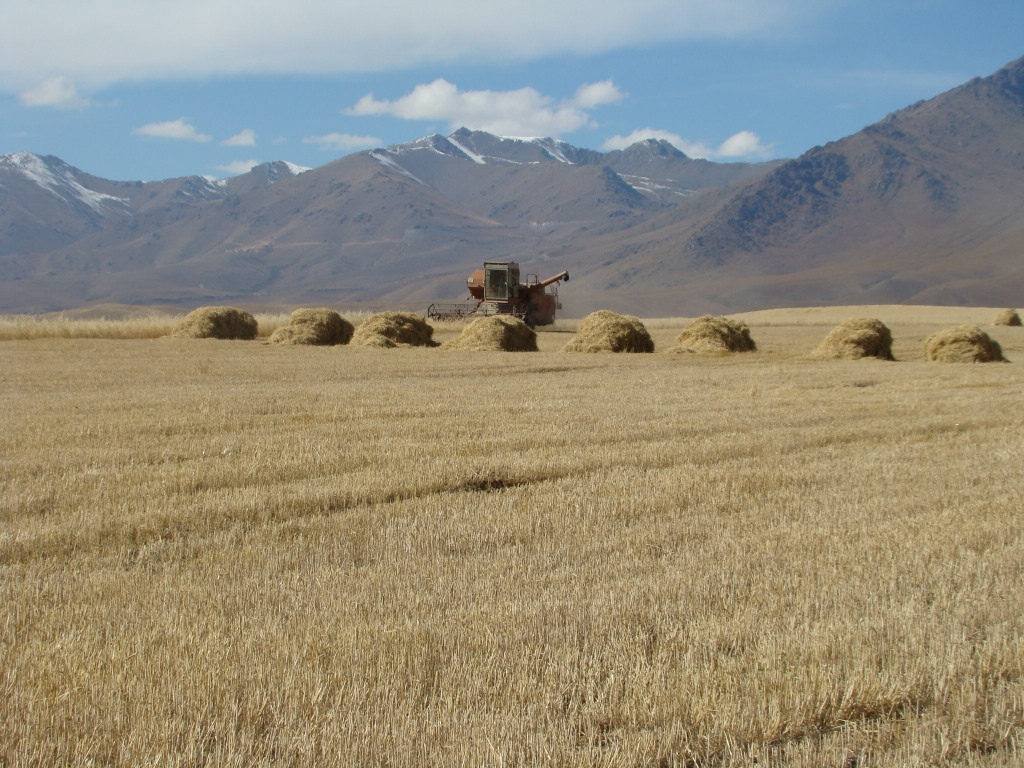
(1007, 317)
(714, 335)
(605, 331)
(856, 338)
(322, 327)
(502, 333)
(963, 344)
(217, 323)
(394, 329)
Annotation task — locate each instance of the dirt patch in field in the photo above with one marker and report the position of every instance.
(217, 323)
(394, 329)
(714, 335)
(605, 331)
(856, 338)
(1007, 317)
(496, 333)
(322, 327)
(963, 344)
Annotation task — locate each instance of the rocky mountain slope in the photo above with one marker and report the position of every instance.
(400, 224)
(923, 206)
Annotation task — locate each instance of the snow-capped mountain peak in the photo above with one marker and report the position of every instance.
(296, 170)
(60, 179)
(482, 148)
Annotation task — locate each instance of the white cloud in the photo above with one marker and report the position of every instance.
(621, 142)
(744, 144)
(179, 130)
(343, 142)
(245, 138)
(238, 167)
(521, 112)
(597, 94)
(194, 38)
(57, 92)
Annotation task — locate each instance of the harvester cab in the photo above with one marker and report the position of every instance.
(501, 281)
(496, 289)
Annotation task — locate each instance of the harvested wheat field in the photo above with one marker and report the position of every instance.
(963, 344)
(264, 555)
(217, 323)
(605, 331)
(497, 333)
(394, 329)
(320, 327)
(714, 335)
(856, 338)
(1007, 317)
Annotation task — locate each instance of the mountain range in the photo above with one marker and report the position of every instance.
(924, 206)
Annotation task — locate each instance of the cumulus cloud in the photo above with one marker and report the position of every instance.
(621, 142)
(57, 92)
(245, 138)
(192, 38)
(179, 130)
(343, 142)
(597, 94)
(520, 112)
(744, 144)
(238, 167)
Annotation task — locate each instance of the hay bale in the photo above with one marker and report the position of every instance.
(394, 329)
(322, 327)
(217, 323)
(605, 331)
(1007, 317)
(714, 335)
(963, 344)
(501, 333)
(856, 338)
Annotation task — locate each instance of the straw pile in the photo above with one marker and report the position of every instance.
(963, 344)
(394, 329)
(314, 326)
(1007, 317)
(605, 331)
(217, 323)
(501, 333)
(856, 338)
(714, 335)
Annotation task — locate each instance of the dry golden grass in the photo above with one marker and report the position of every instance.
(248, 554)
(314, 326)
(856, 338)
(495, 333)
(217, 323)
(14, 327)
(386, 330)
(150, 325)
(605, 331)
(714, 335)
(1007, 317)
(963, 344)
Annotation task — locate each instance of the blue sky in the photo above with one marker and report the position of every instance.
(152, 89)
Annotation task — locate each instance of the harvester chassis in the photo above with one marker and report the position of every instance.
(464, 310)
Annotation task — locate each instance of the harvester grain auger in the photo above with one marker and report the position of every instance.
(496, 289)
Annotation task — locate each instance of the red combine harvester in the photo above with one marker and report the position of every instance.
(496, 290)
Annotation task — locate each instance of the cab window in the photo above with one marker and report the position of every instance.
(496, 284)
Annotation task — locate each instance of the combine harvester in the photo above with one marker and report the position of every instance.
(496, 290)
